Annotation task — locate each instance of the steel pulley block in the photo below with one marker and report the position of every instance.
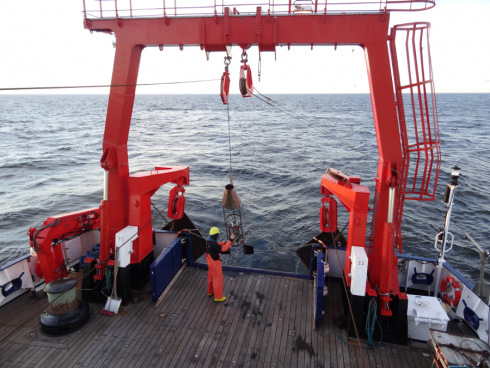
(225, 87)
(246, 84)
(176, 203)
(328, 215)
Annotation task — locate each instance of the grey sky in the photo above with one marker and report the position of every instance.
(43, 43)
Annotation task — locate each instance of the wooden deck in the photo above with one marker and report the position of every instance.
(263, 323)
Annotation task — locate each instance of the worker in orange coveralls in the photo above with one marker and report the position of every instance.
(215, 272)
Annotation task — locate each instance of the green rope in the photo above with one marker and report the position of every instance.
(108, 280)
(369, 324)
(370, 321)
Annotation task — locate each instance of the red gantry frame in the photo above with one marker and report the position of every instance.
(214, 29)
(267, 30)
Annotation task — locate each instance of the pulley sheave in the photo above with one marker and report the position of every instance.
(246, 84)
(225, 82)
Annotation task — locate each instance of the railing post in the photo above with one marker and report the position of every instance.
(175, 7)
(87, 22)
(316, 6)
(100, 6)
(289, 9)
(118, 21)
(130, 8)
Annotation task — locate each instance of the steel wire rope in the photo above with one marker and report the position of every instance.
(107, 85)
(229, 139)
(285, 110)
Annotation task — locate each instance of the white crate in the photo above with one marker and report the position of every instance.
(425, 312)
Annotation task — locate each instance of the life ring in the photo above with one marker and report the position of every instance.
(450, 291)
(176, 203)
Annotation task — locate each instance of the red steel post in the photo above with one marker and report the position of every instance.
(390, 151)
(118, 120)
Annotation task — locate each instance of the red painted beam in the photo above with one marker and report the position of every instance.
(142, 186)
(288, 29)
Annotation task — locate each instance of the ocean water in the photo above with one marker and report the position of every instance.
(50, 147)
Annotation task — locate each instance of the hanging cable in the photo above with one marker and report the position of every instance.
(286, 111)
(159, 212)
(106, 85)
(229, 140)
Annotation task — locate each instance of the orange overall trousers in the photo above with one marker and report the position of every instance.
(215, 273)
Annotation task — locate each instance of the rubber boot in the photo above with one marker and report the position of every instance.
(220, 300)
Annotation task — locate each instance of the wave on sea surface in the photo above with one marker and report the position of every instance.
(51, 147)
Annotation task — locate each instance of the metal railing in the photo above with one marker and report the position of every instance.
(417, 106)
(173, 8)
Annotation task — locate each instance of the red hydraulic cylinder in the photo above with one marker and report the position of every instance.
(104, 239)
(385, 285)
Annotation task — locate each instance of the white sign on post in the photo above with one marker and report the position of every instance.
(358, 271)
(124, 242)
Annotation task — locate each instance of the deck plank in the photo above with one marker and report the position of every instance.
(246, 307)
(117, 321)
(312, 359)
(225, 340)
(286, 325)
(327, 327)
(236, 324)
(91, 331)
(260, 310)
(300, 344)
(135, 337)
(335, 343)
(45, 361)
(272, 321)
(256, 324)
(213, 320)
(400, 357)
(212, 344)
(167, 336)
(188, 324)
(259, 341)
(110, 348)
(145, 320)
(171, 306)
(318, 334)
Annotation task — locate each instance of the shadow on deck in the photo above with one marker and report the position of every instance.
(263, 323)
